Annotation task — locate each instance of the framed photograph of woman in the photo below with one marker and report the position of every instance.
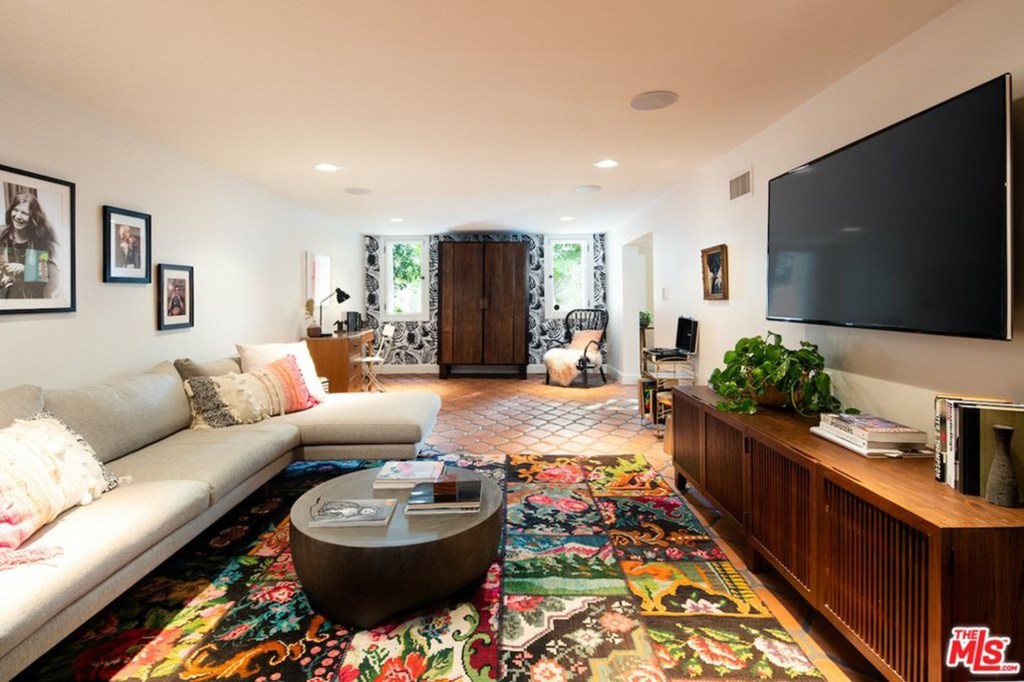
(37, 243)
(175, 301)
(715, 268)
(127, 254)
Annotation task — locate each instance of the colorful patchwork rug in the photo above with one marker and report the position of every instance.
(605, 575)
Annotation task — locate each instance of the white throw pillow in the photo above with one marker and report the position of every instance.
(255, 356)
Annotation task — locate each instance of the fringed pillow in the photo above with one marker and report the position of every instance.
(286, 391)
(227, 400)
(45, 469)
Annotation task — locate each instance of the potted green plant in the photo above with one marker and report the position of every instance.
(762, 371)
(645, 319)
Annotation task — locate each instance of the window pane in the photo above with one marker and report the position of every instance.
(406, 278)
(570, 290)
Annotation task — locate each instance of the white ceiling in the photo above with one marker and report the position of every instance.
(458, 114)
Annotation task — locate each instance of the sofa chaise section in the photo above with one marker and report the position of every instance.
(365, 425)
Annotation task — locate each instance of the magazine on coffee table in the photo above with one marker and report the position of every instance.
(351, 513)
(407, 474)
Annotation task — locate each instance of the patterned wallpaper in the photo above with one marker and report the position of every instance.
(416, 342)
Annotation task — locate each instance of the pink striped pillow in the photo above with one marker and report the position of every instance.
(286, 389)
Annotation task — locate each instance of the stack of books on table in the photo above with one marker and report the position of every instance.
(406, 474)
(873, 436)
(446, 496)
(965, 441)
(351, 513)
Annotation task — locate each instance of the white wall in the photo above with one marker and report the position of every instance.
(889, 372)
(245, 243)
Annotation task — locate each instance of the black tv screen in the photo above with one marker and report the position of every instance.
(906, 229)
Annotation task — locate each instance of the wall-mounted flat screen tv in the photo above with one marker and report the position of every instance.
(907, 229)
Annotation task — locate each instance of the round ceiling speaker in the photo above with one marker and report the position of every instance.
(655, 99)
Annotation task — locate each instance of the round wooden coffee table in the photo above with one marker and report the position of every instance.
(361, 576)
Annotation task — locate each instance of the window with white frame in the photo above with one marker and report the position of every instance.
(567, 270)
(404, 279)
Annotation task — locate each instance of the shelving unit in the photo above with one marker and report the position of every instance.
(657, 377)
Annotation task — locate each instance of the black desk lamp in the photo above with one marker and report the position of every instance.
(339, 295)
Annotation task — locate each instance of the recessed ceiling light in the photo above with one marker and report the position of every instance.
(607, 163)
(567, 218)
(326, 167)
(397, 220)
(655, 99)
(357, 190)
(588, 189)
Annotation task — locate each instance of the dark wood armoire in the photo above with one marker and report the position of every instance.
(483, 305)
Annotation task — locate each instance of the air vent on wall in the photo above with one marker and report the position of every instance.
(739, 186)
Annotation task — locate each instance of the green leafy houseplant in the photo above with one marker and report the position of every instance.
(761, 371)
(645, 319)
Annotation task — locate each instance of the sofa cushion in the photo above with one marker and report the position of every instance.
(126, 414)
(190, 369)
(344, 418)
(226, 400)
(261, 355)
(96, 541)
(20, 402)
(45, 469)
(220, 458)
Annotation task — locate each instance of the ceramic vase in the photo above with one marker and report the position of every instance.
(1001, 488)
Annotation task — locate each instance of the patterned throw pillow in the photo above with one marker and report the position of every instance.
(285, 388)
(254, 356)
(227, 400)
(45, 469)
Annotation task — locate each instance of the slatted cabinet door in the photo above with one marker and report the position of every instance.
(875, 575)
(462, 302)
(725, 465)
(686, 445)
(781, 509)
(505, 293)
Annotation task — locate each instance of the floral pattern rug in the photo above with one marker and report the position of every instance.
(605, 575)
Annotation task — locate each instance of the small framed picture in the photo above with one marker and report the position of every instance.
(715, 268)
(175, 298)
(127, 250)
(37, 243)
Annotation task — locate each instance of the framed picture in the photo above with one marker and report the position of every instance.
(37, 243)
(715, 268)
(175, 307)
(318, 277)
(127, 252)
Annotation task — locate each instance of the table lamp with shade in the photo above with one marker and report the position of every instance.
(338, 295)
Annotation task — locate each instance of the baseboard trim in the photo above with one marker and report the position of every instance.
(623, 377)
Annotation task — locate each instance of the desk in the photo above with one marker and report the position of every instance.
(337, 358)
(657, 377)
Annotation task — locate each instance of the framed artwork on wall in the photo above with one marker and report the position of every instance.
(318, 277)
(37, 243)
(714, 262)
(127, 249)
(175, 297)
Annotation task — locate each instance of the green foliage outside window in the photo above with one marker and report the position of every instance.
(406, 277)
(568, 270)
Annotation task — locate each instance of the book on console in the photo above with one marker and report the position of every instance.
(874, 430)
(446, 493)
(866, 444)
(351, 513)
(878, 452)
(405, 474)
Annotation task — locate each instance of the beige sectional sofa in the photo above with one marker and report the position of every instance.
(181, 481)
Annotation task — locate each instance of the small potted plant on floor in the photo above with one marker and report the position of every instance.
(762, 371)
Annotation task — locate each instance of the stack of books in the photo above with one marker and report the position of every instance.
(872, 436)
(964, 440)
(446, 496)
(403, 474)
(351, 513)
